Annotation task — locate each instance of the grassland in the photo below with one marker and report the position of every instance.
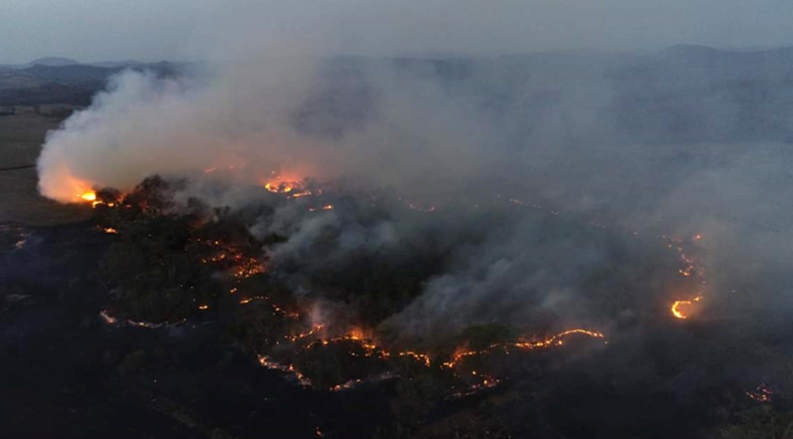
(21, 137)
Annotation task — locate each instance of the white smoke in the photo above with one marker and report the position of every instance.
(556, 131)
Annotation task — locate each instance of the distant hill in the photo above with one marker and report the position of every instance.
(117, 64)
(52, 61)
(72, 84)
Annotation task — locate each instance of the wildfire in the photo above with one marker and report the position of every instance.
(281, 187)
(681, 309)
(423, 358)
(248, 268)
(89, 196)
(325, 207)
(110, 230)
(243, 266)
(290, 186)
(366, 342)
(358, 336)
(290, 314)
(554, 340)
(314, 329)
(680, 306)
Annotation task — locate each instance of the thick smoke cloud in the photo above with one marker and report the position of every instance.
(682, 142)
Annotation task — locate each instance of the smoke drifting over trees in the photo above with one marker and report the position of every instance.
(672, 143)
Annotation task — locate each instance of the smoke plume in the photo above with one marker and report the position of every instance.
(533, 177)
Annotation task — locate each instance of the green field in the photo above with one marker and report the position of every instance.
(21, 137)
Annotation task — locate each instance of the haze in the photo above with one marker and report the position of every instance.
(98, 30)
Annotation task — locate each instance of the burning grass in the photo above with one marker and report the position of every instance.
(170, 264)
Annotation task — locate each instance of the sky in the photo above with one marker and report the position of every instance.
(149, 30)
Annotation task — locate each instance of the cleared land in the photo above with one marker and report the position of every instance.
(21, 137)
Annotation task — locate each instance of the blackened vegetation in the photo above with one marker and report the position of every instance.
(198, 375)
(164, 263)
(658, 381)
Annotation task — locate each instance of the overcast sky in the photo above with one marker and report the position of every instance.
(96, 30)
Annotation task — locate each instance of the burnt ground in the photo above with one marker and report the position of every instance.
(66, 373)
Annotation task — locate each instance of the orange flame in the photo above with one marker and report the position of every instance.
(679, 307)
(554, 340)
(682, 309)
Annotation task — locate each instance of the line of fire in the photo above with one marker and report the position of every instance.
(228, 272)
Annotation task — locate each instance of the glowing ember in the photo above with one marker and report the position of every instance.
(364, 340)
(420, 209)
(348, 385)
(423, 358)
(110, 230)
(279, 188)
(355, 383)
(487, 383)
(244, 266)
(105, 315)
(761, 394)
(683, 309)
(555, 340)
(680, 306)
(314, 329)
(525, 204)
(416, 207)
(290, 314)
(279, 184)
(215, 168)
(288, 369)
